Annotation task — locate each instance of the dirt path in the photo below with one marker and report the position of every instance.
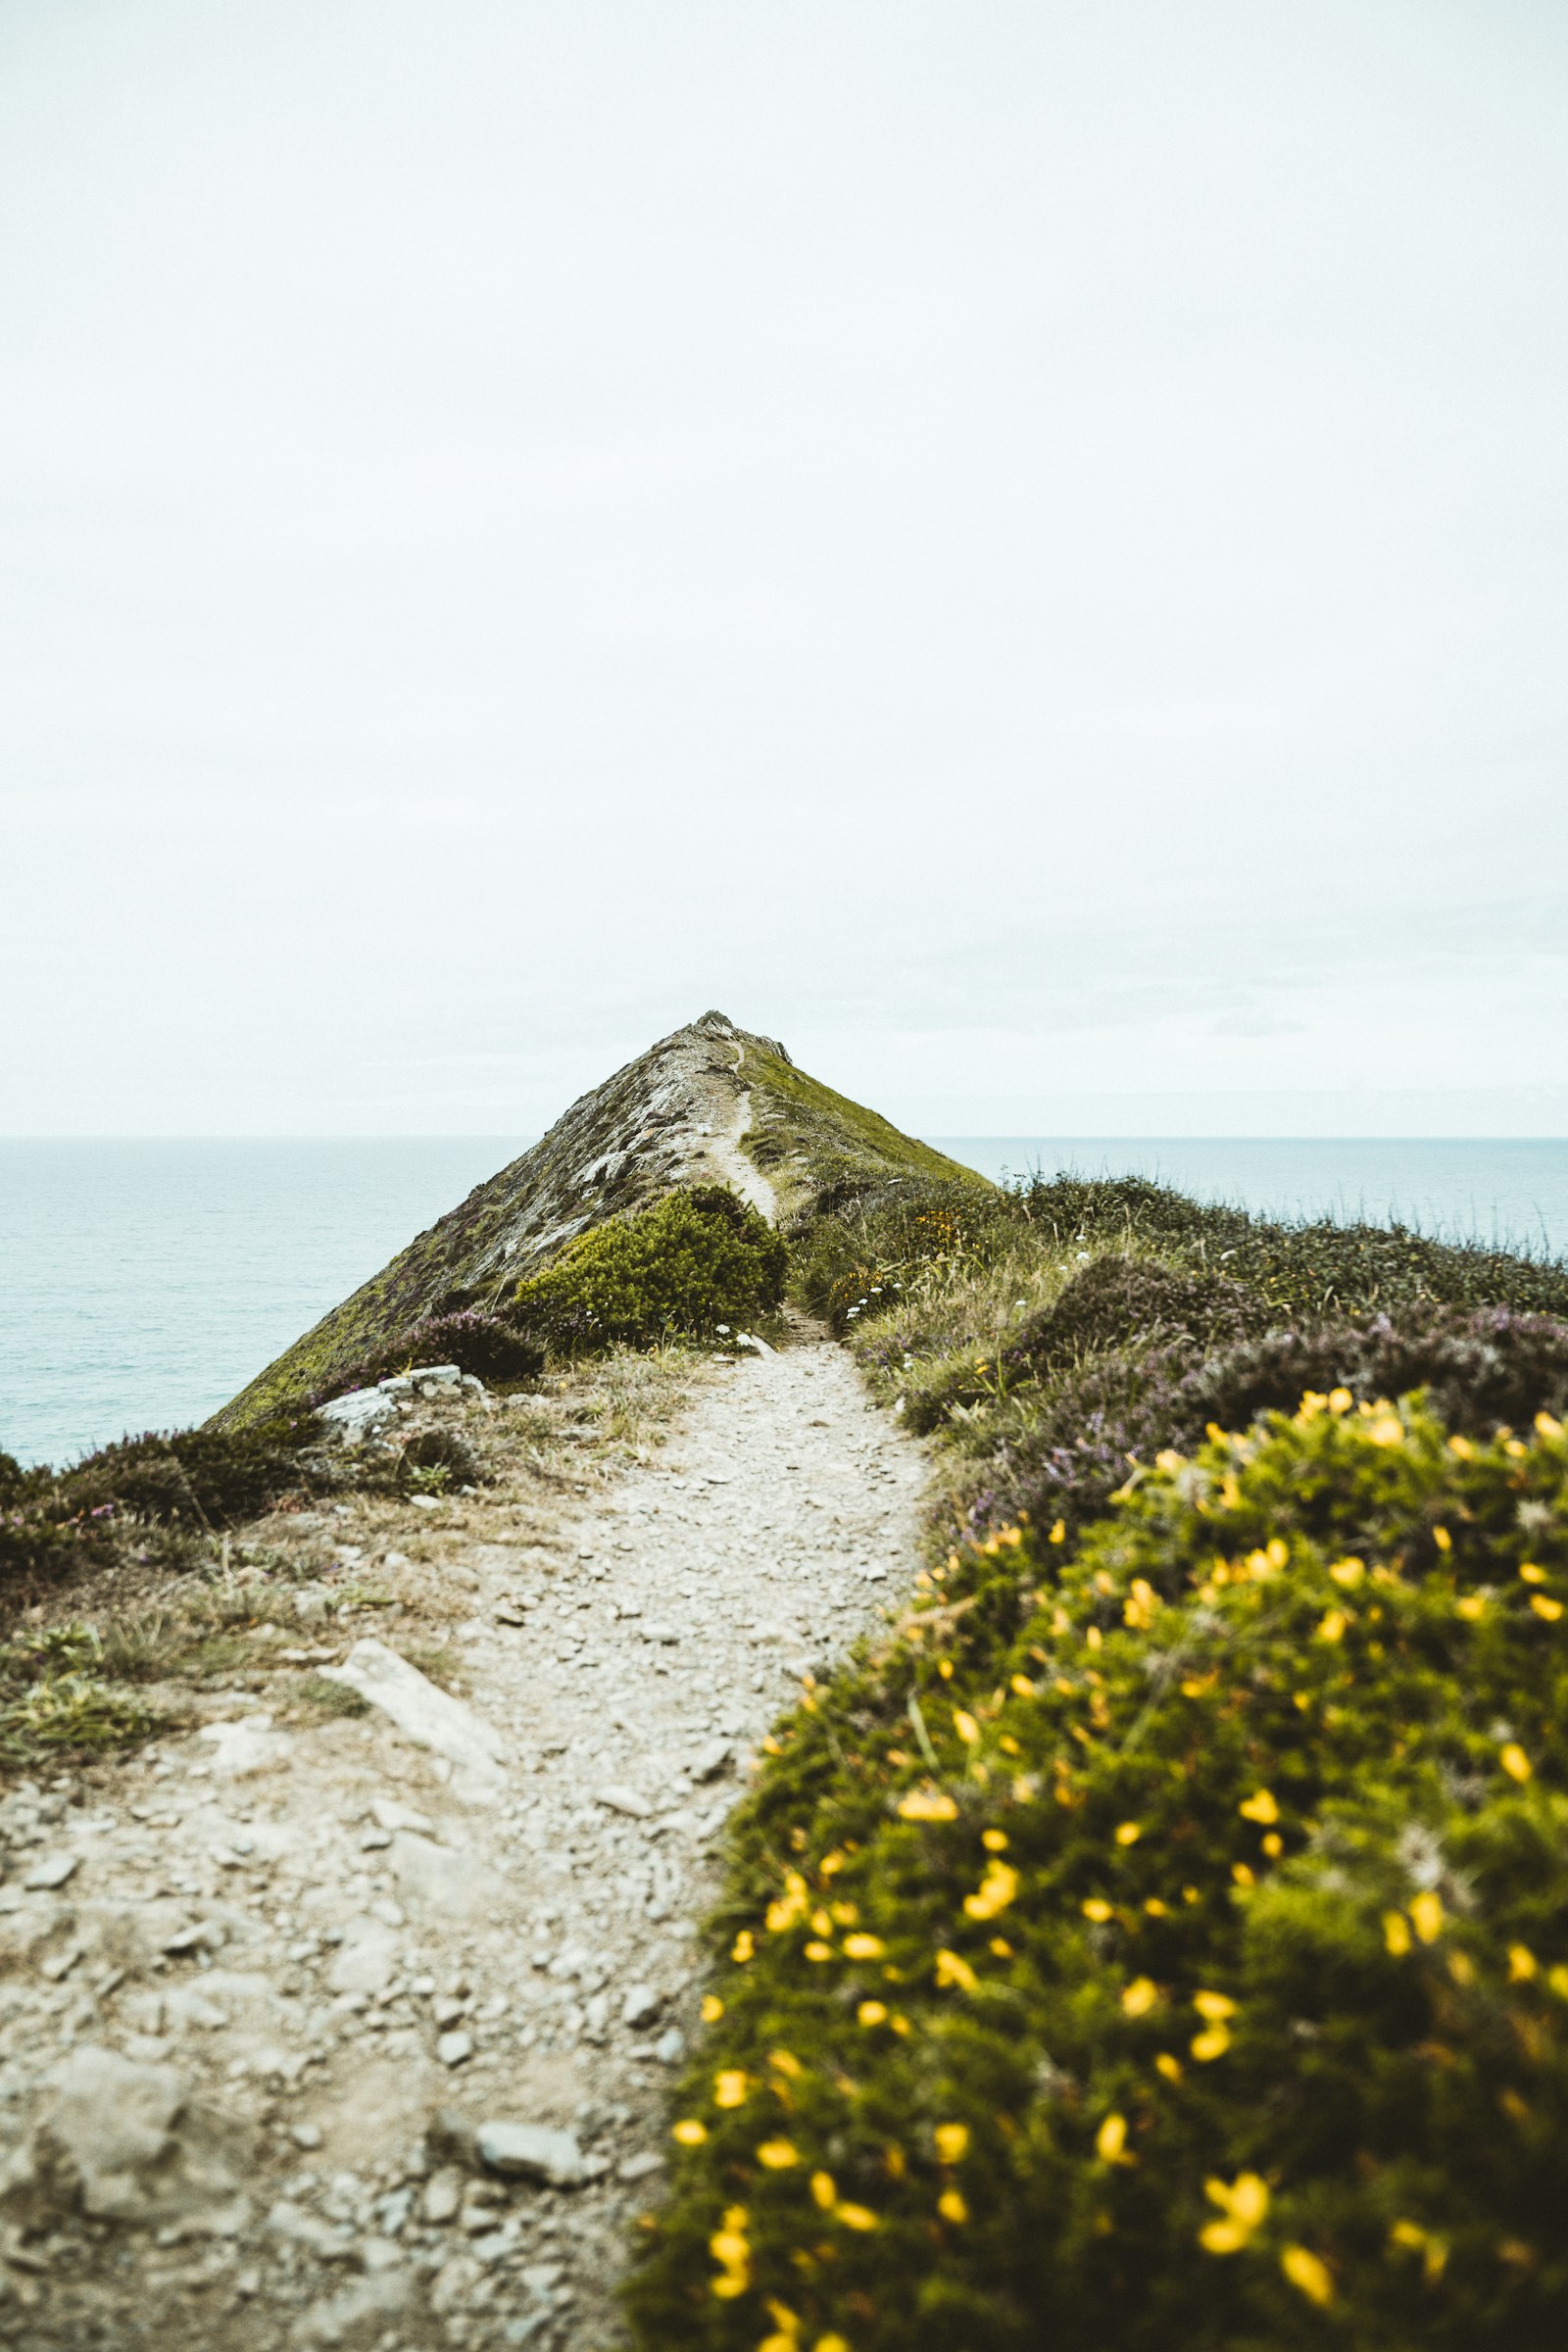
(741, 1174)
(301, 2028)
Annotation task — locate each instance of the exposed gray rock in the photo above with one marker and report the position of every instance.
(531, 2152)
(127, 2137)
(440, 1880)
(431, 1718)
(640, 2007)
(49, 1871)
(625, 1800)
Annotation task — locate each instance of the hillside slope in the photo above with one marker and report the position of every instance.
(710, 1104)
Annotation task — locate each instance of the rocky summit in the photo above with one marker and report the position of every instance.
(712, 1104)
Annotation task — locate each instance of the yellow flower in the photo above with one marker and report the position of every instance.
(1557, 1980)
(855, 2217)
(1551, 1610)
(1262, 1807)
(689, 2132)
(997, 1891)
(1023, 1686)
(790, 1906)
(863, 1947)
(1387, 1430)
(1112, 2138)
(951, 2207)
(1472, 1605)
(1169, 2067)
(995, 1841)
(785, 2062)
(1340, 1400)
(1140, 1996)
(1246, 2200)
(1212, 2044)
(1442, 1539)
(965, 1725)
(743, 1945)
(953, 2142)
(779, 2155)
(1522, 1964)
(927, 1804)
(1547, 1427)
(1244, 2205)
(1129, 1833)
(1531, 1574)
(1397, 1932)
(830, 2343)
(818, 1951)
(1348, 1572)
(1096, 1908)
(1332, 1627)
(1310, 2276)
(730, 2086)
(1058, 1533)
(1515, 1763)
(872, 2013)
(1426, 1913)
(825, 2190)
(713, 2008)
(952, 1970)
(1138, 1610)
(730, 2250)
(1215, 2006)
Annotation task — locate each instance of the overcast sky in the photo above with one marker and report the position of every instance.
(1017, 544)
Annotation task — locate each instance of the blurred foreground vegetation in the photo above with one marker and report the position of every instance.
(1160, 1935)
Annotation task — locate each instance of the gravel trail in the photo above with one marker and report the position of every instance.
(323, 2036)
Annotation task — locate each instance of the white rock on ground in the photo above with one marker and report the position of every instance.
(294, 2051)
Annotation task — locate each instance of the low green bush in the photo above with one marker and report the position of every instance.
(856, 1262)
(1300, 1270)
(490, 1346)
(187, 1481)
(434, 1460)
(1185, 1965)
(692, 1260)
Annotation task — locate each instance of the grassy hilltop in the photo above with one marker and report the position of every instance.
(682, 1114)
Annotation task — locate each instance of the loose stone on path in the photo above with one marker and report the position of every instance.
(372, 2020)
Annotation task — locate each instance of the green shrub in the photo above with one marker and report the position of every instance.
(487, 1346)
(150, 1489)
(1113, 1304)
(206, 1476)
(694, 1259)
(1189, 1966)
(858, 1262)
(1300, 1270)
(1480, 1369)
(437, 1459)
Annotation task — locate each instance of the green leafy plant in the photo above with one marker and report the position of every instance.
(694, 1259)
(1186, 1963)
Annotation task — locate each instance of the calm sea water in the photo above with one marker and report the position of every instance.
(142, 1283)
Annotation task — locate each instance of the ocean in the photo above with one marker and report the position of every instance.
(142, 1283)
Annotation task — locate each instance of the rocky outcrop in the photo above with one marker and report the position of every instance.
(710, 1104)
